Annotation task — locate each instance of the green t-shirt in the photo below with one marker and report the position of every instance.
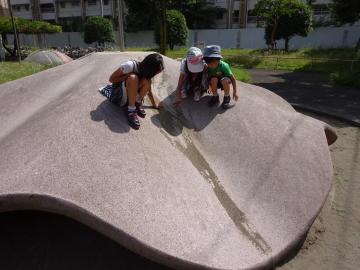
(222, 70)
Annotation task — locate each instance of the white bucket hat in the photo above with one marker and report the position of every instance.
(194, 58)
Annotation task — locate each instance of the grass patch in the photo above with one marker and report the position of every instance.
(348, 79)
(10, 71)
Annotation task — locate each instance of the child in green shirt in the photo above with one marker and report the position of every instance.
(220, 76)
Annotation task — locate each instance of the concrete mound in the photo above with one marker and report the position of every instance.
(194, 188)
(48, 57)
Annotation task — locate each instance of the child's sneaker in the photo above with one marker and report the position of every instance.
(226, 102)
(197, 95)
(133, 119)
(213, 101)
(140, 110)
(183, 94)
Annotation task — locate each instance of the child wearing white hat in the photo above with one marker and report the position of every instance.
(193, 76)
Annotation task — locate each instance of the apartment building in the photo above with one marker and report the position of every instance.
(61, 10)
(4, 8)
(238, 13)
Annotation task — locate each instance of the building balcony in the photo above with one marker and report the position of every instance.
(41, 2)
(67, 14)
(20, 2)
(47, 14)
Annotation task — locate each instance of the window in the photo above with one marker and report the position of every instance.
(62, 4)
(106, 2)
(27, 7)
(75, 3)
(16, 8)
(91, 2)
(321, 10)
(236, 16)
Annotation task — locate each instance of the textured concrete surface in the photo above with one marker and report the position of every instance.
(48, 57)
(194, 188)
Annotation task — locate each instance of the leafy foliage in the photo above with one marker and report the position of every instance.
(98, 29)
(135, 23)
(27, 27)
(177, 31)
(75, 24)
(345, 11)
(155, 11)
(284, 19)
(200, 14)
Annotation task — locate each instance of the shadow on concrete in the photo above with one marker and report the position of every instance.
(189, 114)
(112, 115)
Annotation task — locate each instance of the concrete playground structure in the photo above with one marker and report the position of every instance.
(48, 57)
(194, 188)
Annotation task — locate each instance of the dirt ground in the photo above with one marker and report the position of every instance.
(333, 241)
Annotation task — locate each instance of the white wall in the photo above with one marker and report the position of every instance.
(226, 38)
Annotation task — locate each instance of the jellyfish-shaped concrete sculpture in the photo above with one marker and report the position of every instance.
(195, 188)
(50, 57)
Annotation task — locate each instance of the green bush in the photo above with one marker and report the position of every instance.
(343, 78)
(176, 30)
(98, 29)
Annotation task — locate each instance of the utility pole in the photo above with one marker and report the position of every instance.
(121, 28)
(15, 32)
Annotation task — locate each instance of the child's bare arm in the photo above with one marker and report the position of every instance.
(118, 76)
(235, 92)
(153, 101)
(180, 81)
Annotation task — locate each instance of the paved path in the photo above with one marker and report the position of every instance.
(309, 91)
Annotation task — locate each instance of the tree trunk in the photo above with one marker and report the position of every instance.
(40, 41)
(2, 53)
(286, 44)
(357, 50)
(273, 42)
(162, 20)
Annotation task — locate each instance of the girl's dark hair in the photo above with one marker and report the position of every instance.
(209, 60)
(151, 65)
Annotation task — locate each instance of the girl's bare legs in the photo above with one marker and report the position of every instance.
(132, 86)
(144, 87)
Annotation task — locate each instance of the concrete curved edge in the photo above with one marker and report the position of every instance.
(52, 204)
(263, 129)
(48, 203)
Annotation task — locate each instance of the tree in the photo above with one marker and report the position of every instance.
(98, 29)
(177, 31)
(283, 19)
(346, 11)
(298, 23)
(24, 27)
(155, 10)
(135, 23)
(200, 14)
(75, 24)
